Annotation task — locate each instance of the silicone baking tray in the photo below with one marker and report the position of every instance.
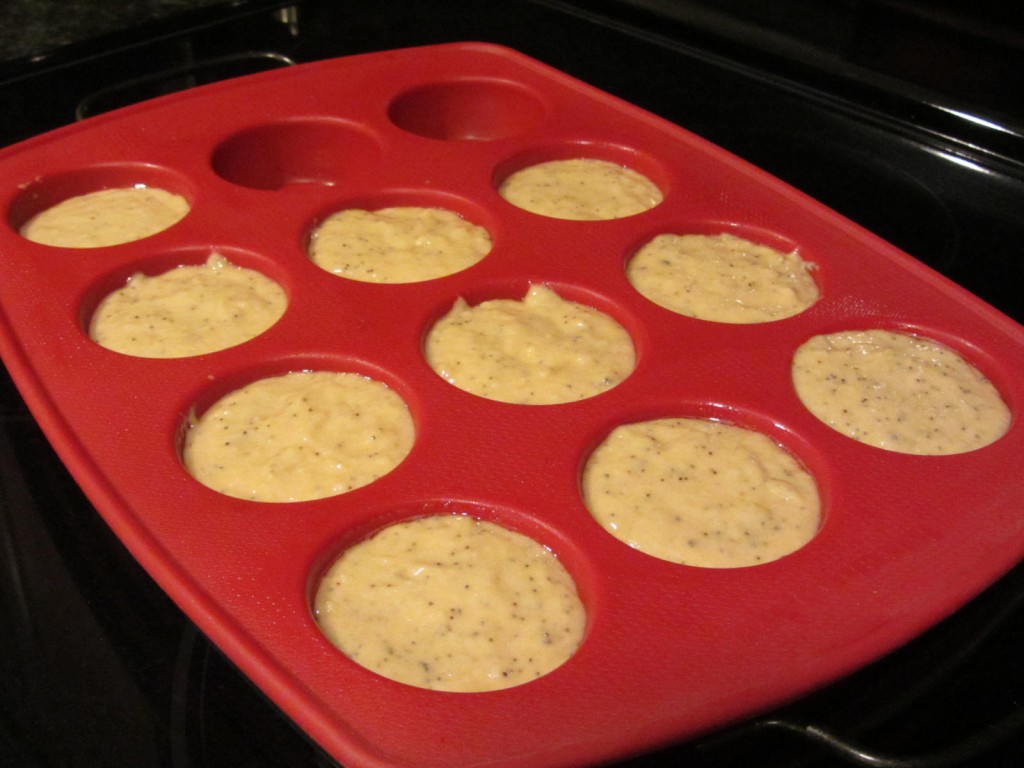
(670, 651)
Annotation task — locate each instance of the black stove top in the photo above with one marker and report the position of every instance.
(99, 668)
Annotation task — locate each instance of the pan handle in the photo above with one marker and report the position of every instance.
(995, 619)
(969, 748)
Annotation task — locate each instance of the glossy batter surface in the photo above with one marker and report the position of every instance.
(189, 310)
(452, 603)
(701, 493)
(898, 392)
(397, 245)
(106, 217)
(581, 189)
(299, 436)
(723, 278)
(537, 351)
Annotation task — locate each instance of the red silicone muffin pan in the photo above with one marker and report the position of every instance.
(670, 651)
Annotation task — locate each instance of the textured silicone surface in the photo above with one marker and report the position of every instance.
(670, 651)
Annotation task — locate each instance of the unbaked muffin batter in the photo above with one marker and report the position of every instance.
(899, 392)
(397, 245)
(582, 189)
(451, 603)
(299, 436)
(189, 310)
(701, 493)
(537, 351)
(723, 278)
(106, 217)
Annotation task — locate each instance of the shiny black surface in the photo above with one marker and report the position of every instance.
(99, 668)
(33, 28)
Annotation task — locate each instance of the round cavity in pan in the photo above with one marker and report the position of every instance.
(453, 601)
(298, 434)
(899, 390)
(294, 151)
(582, 182)
(700, 491)
(540, 347)
(100, 206)
(469, 109)
(184, 303)
(724, 273)
(400, 237)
